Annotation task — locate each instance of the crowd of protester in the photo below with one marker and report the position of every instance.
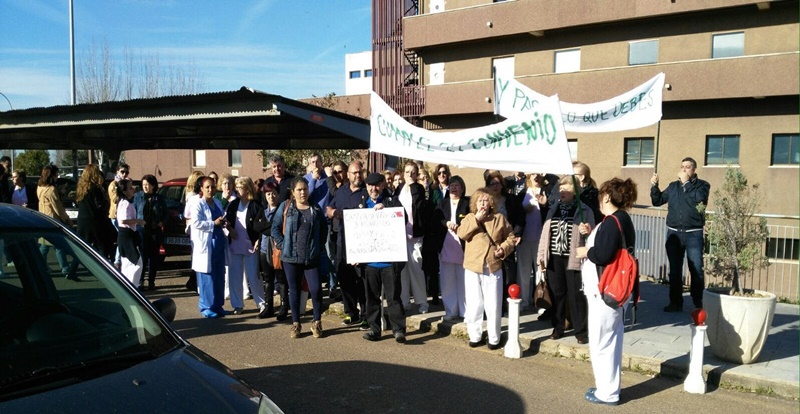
(284, 236)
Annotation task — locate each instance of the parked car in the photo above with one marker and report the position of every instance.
(96, 345)
(176, 241)
(67, 191)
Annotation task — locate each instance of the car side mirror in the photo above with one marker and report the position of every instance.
(166, 307)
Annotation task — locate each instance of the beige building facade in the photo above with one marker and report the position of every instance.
(731, 67)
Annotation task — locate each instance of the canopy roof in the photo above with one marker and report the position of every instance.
(243, 119)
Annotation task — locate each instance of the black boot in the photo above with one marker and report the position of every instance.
(283, 311)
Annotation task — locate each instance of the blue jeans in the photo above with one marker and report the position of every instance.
(294, 278)
(690, 244)
(61, 257)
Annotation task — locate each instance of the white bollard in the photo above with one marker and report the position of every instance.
(513, 349)
(695, 383)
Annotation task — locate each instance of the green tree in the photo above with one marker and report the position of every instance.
(32, 161)
(736, 237)
(65, 158)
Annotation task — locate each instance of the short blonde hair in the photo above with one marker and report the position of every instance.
(247, 183)
(473, 200)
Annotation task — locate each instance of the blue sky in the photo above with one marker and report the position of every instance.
(293, 48)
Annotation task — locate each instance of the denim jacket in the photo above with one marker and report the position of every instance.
(287, 241)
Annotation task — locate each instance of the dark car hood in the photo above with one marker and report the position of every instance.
(184, 380)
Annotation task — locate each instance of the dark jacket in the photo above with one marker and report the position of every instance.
(287, 242)
(152, 208)
(683, 199)
(608, 240)
(255, 214)
(284, 192)
(516, 214)
(591, 197)
(442, 216)
(418, 207)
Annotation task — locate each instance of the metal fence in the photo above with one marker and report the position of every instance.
(781, 277)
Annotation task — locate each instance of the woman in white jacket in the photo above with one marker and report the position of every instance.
(208, 250)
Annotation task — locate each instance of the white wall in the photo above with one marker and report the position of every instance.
(362, 64)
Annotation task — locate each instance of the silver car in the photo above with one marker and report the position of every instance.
(95, 345)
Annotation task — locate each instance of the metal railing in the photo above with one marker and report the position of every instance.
(781, 277)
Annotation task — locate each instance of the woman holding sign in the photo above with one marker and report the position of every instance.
(301, 239)
(490, 239)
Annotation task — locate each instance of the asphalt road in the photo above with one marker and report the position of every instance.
(343, 373)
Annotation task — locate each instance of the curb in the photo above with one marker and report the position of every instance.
(716, 376)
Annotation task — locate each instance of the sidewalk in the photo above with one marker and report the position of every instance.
(659, 342)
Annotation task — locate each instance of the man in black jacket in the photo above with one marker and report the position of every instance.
(382, 276)
(687, 198)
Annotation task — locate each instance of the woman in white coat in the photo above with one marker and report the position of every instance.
(208, 250)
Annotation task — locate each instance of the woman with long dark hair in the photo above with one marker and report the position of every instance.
(301, 237)
(606, 326)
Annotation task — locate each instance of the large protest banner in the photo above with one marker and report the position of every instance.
(375, 235)
(529, 141)
(637, 108)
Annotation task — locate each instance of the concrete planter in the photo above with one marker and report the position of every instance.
(738, 326)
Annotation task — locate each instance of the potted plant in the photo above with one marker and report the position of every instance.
(738, 319)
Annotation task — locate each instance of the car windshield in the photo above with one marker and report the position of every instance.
(55, 331)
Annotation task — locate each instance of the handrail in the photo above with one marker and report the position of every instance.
(772, 216)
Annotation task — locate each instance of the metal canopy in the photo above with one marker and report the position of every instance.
(243, 119)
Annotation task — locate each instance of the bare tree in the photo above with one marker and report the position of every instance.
(103, 77)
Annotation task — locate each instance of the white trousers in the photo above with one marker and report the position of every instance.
(605, 328)
(132, 271)
(239, 267)
(526, 255)
(451, 281)
(412, 279)
(484, 293)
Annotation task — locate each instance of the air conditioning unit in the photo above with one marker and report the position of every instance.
(436, 6)
(436, 71)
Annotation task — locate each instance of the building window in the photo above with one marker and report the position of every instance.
(642, 53)
(355, 74)
(568, 61)
(503, 67)
(779, 248)
(639, 151)
(727, 45)
(199, 158)
(722, 149)
(572, 144)
(368, 73)
(235, 158)
(785, 149)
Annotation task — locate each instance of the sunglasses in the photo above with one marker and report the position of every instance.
(123, 171)
(441, 172)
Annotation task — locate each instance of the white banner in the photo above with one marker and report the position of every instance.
(373, 236)
(634, 109)
(532, 141)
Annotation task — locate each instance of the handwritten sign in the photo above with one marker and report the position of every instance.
(373, 236)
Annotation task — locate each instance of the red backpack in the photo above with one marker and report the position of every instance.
(620, 278)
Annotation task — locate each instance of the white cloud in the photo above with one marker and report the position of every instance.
(28, 88)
